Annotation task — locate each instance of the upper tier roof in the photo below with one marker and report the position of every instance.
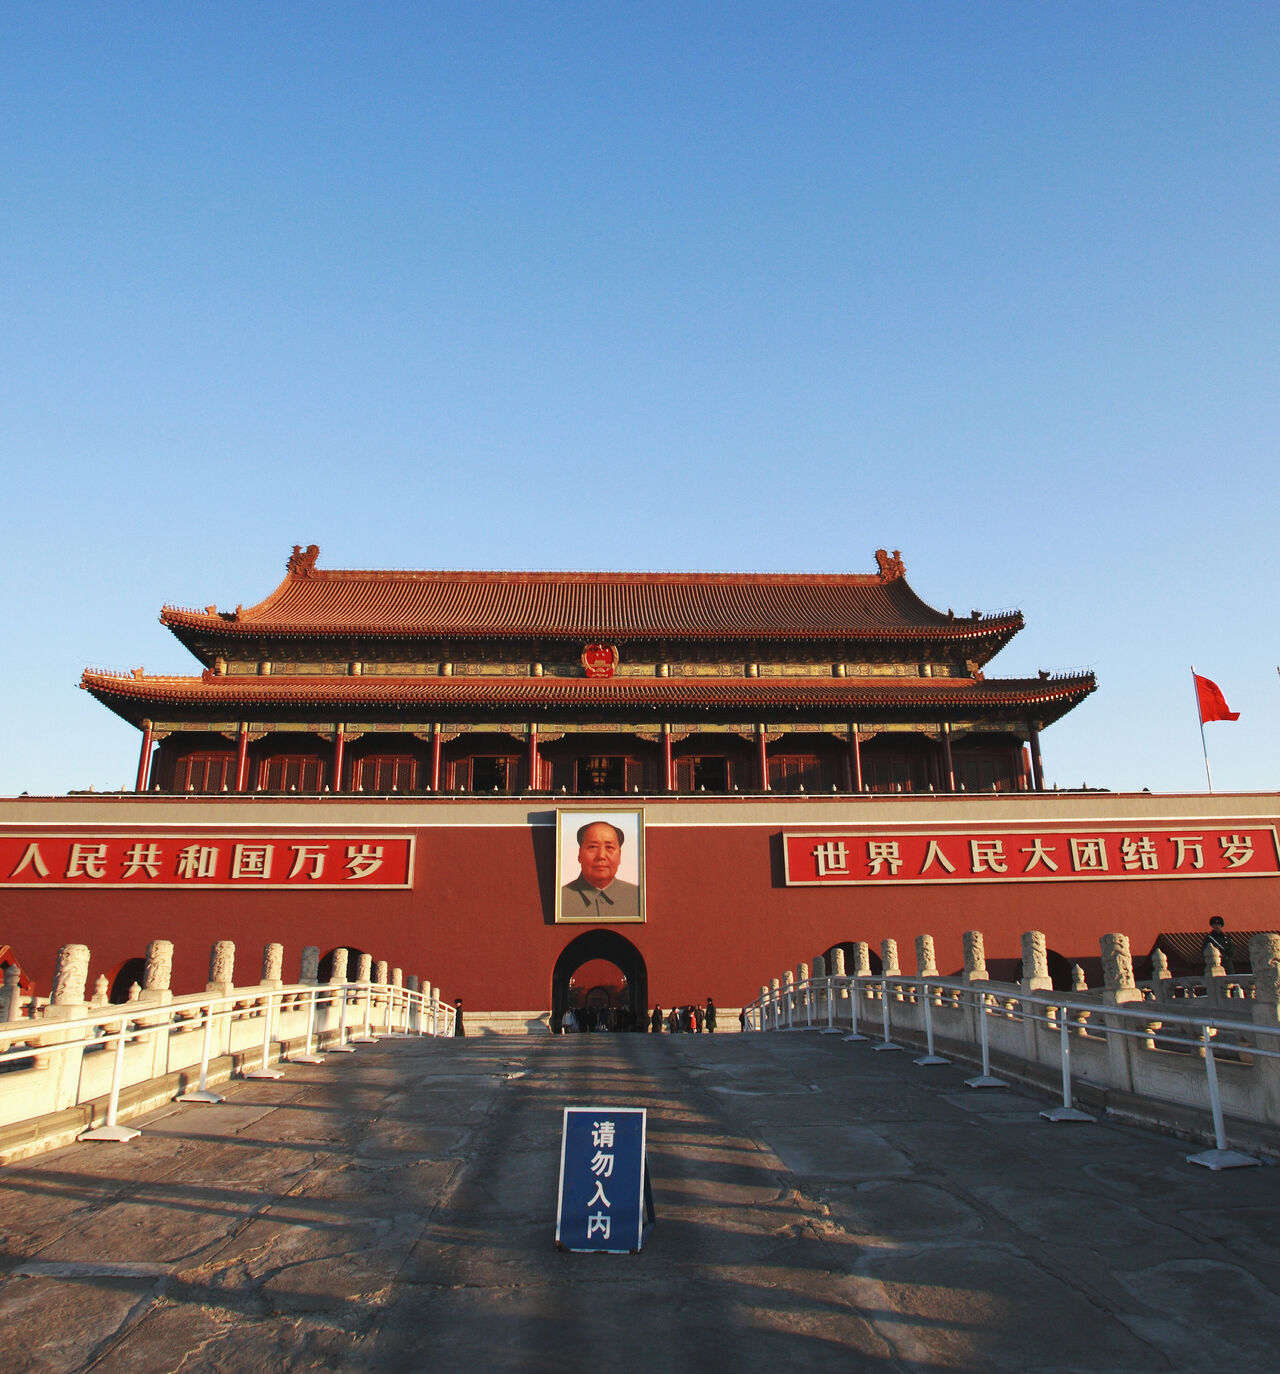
(324, 602)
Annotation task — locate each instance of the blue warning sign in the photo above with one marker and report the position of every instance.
(603, 1180)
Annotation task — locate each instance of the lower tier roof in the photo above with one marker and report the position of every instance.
(137, 697)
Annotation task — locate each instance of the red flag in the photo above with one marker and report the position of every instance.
(1213, 705)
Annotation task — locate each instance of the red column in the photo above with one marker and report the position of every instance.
(533, 758)
(668, 763)
(339, 744)
(435, 760)
(242, 758)
(144, 758)
(948, 764)
(1037, 768)
(855, 757)
(764, 759)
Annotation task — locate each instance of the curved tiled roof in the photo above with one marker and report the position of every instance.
(134, 695)
(327, 602)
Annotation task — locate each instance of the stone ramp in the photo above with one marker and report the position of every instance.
(819, 1205)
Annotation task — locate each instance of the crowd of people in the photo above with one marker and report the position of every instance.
(691, 1018)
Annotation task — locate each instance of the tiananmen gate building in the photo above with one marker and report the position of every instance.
(416, 763)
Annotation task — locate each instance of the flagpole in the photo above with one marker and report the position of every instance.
(1203, 746)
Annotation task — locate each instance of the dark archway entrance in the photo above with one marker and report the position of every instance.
(130, 972)
(615, 949)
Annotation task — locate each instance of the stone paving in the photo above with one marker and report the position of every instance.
(819, 1205)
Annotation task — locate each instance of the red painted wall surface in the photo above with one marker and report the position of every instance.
(479, 919)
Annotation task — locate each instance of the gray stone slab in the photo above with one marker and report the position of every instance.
(818, 1207)
(1206, 1315)
(54, 1325)
(901, 1211)
(842, 1152)
(635, 1320)
(980, 1307)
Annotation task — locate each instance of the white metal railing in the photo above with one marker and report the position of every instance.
(1143, 1047)
(49, 1063)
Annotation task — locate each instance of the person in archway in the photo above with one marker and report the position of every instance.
(457, 1017)
(655, 1021)
(597, 892)
(709, 1017)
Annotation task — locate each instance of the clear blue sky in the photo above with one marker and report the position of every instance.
(695, 286)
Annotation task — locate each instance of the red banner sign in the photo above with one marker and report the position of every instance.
(141, 859)
(822, 858)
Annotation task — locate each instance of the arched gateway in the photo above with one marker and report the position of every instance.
(607, 945)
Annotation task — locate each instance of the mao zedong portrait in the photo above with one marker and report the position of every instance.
(597, 893)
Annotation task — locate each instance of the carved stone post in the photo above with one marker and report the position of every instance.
(156, 981)
(1215, 978)
(101, 992)
(397, 978)
(380, 972)
(364, 968)
(889, 966)
(1079, 984)
(412, 982)
(1264, 959)
(1035, 962)
(926, 960)
(273, 966)
(1119, 989)
(975, 971)
(11, 996)
(837, 970)
(1161, 978)
(222, 961)
(975, 958)
(67, 1002)
(70, 977)
(310, 965)
(338, 974)
(789, 996)
(822, 996)
(1035, 978)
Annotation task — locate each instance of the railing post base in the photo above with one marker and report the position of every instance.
(927, 1061)
(200, 1095)
(985, 1080)
(1067, 1114)
(123, 1133)
(1210, 1159)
